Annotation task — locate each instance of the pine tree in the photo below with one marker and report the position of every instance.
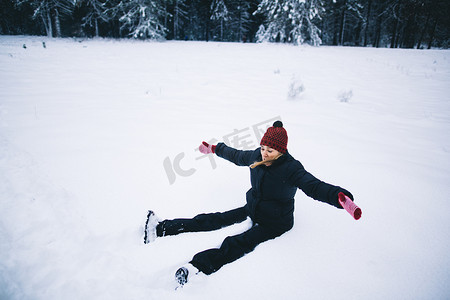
(239, 19)
(290, 21)
(140, 19)
(220, 14)
(48, 9)
(95, 12)
(179, 17)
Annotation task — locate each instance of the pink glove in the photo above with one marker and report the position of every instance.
(349, 206)
(206, 148)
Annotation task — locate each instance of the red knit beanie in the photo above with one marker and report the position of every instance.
(276, 137)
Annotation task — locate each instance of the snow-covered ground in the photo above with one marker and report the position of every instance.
(93, 133)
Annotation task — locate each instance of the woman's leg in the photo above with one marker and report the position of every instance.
(233, 247)
(202, 222)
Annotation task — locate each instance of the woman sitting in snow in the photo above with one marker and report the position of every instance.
(275, 177)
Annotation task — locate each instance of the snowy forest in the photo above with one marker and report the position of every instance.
(417, 24)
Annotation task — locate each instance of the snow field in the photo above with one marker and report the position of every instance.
(86, 125)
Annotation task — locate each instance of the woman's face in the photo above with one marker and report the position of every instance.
(268, 153)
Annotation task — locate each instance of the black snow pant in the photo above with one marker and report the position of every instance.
(232, 248)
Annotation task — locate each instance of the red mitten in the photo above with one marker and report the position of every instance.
(206, 148)
(350, 206)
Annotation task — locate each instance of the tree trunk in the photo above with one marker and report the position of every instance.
(423, 31)
(335, 30)
(165, 14)
(221, 29)
(410, 28)
(57, 23)
(394, 37)
(397, 39)
(208, 20)
(369, 8)
(96, 28)
(378, 31)
(321, 32)
(240, 22)
(394, 33)
(342, 23)
(48, 24)
(433, 31)
(358, 33)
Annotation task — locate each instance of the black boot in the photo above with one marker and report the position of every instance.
(181, 276)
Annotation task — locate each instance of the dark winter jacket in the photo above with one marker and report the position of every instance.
(270, 200)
